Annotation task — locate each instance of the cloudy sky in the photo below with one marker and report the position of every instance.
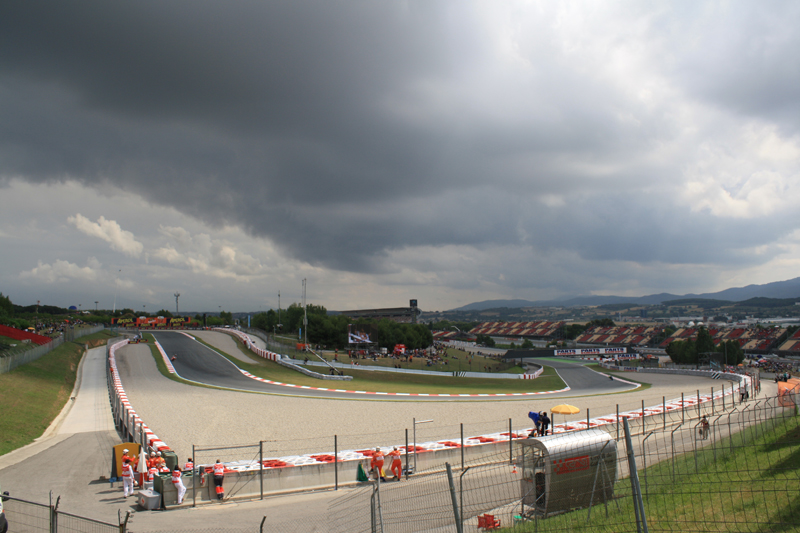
(449, 151)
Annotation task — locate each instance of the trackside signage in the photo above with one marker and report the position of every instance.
(592, 351)
(571, 464)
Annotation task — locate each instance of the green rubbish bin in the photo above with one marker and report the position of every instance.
(171, 458)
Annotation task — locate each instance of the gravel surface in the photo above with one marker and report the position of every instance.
(183, 415)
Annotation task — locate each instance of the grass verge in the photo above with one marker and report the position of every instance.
(365, 380)
(746, 482)
(32, 395)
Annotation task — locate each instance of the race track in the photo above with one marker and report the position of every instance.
(198, 363)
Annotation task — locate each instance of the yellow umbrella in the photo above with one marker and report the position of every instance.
(564, 409)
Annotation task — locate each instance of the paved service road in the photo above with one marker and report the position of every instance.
(196, 362)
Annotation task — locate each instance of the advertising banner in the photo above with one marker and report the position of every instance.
(592, 351)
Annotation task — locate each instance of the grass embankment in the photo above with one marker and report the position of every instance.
(747, 482)
(365, 380)
(456, 361)
(32, 395)
(9, 346)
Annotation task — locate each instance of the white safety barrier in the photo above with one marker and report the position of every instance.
(124, 416)
(278, 358)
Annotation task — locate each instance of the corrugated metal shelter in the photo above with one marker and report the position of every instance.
(567, 471)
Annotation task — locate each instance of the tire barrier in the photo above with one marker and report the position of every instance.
(125, 418)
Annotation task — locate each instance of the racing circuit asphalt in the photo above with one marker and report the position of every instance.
(196, 362)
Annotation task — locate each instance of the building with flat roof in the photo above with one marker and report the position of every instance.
(403, 315)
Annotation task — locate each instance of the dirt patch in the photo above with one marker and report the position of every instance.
(94, 343)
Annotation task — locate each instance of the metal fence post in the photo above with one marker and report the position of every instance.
(644, 460)
(407, 454)
(617, 422)
(712, 402)
(462, 445)
(664, 410)
(698, 403)
(459, 526)
(261, 467)
(336, 462)
(195, 480)
(683, 410)
(638, 504)
(372, 521)
(587, 418)
(510, 444)
(644, 421)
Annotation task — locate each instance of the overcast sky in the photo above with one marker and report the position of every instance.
(450, 152)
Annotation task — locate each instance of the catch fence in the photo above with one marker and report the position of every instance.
(31, 517)
(10, 361)
(307, 463)
(738, 473)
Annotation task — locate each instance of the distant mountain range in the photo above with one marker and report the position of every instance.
(778, 289)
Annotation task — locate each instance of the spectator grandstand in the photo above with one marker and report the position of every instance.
(750, 339)
(537, 329)
(443, 336)
(22, 335)
(621, 335)
(792, 344)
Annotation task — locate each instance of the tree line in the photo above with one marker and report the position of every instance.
(331, 330)
(690, 352)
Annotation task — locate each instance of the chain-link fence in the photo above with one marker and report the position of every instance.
(31, 517)
(25, 354)
(733, 471)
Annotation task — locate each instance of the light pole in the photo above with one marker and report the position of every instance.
(305, 316)
(95, 305)
(116, 287)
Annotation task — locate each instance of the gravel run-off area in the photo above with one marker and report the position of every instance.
(183, 415)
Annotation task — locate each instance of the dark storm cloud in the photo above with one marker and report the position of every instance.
(346, 130)
(745, 59)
